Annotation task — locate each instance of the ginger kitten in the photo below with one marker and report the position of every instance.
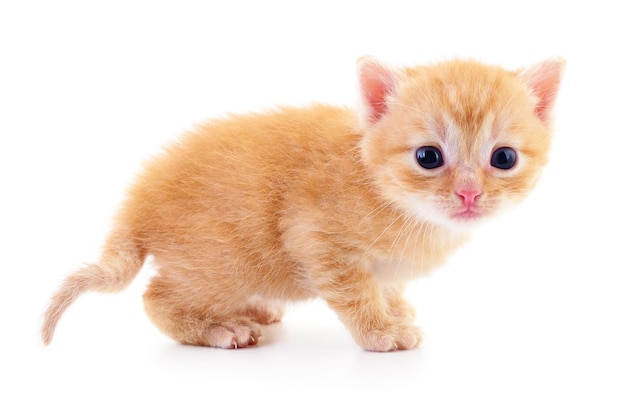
(251, 212)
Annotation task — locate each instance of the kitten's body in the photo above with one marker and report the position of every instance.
(250, 212)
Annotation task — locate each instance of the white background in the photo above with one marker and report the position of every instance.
(527, 318)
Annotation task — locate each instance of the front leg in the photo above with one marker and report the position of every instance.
(363, 308)
(397, 306)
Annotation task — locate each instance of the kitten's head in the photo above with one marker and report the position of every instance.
(456, 142)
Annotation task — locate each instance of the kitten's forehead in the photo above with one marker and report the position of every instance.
(463, 146)
(467, 92)
(474, 105)
(466, 106)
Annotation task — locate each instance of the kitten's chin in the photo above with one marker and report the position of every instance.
(459, 222)
(464, 221)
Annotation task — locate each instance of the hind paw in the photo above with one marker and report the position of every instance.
(237, 334)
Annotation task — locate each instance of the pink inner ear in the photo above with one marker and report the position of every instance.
(377, 83)
(544, 80)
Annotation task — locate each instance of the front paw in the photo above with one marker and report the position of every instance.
(394, 337)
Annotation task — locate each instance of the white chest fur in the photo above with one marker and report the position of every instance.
(387, 270)
(415, 262)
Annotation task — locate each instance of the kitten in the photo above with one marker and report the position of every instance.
(251, 212)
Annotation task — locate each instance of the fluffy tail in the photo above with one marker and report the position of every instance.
(121, 260)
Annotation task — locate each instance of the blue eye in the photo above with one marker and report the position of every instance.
(503, 158)
(429, 157)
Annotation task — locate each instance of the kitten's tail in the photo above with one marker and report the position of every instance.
(120, 262)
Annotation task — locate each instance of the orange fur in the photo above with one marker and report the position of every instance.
(251, 212)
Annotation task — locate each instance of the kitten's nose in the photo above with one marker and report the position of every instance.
(468, 196)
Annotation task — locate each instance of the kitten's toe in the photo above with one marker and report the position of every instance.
(399, 337)
(233, 335)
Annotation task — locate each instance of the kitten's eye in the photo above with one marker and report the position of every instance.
(429, 157)
(503, 158)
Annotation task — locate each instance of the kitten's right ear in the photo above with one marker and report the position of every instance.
(544, 80)
(376, 83)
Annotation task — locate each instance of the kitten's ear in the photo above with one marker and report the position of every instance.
(376, 83)
(544, 79)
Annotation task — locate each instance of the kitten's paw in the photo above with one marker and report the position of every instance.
(237, 334)
(397, 337)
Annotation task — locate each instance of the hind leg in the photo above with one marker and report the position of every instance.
(191, 313)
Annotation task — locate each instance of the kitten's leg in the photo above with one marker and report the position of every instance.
(263, 311)
(196, 316)
(362, 307)
(397, 306)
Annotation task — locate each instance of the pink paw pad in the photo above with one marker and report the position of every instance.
(234, 336)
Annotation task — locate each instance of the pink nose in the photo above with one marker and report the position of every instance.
(468, 196)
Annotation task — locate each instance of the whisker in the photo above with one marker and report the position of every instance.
(396, 242)
(375, 211)
(411, 224)
(430, 235)
(399, 215)
(417, 237)
(397, 239)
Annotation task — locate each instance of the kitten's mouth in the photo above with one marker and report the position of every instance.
(467, 214)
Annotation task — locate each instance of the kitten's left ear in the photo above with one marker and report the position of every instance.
(377, 83)
(544, 79)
